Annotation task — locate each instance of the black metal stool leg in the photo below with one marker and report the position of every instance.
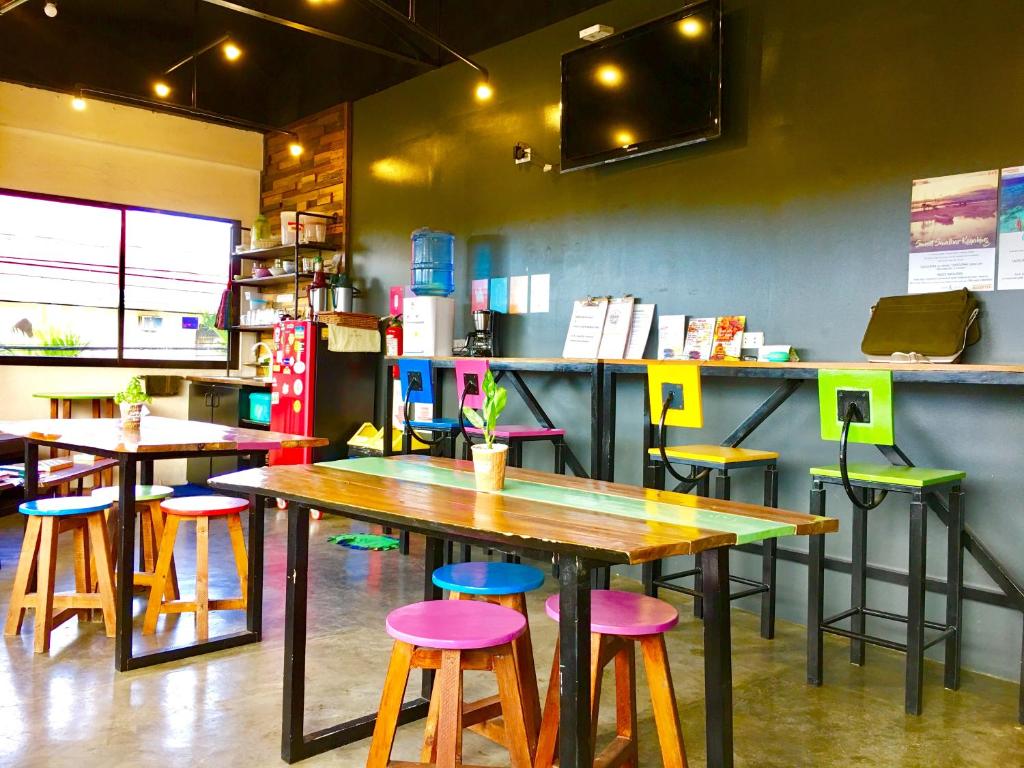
(858, 577)
(403, 542)
(467, 553)
(769, 556)
(560, 456)
(816, 591)
(915, 602)
(650, 572)
(723, 485)
(954, 587)
(703, 489)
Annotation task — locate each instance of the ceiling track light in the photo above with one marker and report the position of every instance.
(50, 9)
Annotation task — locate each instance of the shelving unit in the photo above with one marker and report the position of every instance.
(272, 280)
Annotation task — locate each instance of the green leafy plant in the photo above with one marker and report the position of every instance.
(134, 393)
(57, 344)
(495, 399)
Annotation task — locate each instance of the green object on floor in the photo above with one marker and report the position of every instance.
(365, 541)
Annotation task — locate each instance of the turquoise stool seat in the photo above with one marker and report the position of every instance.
(435, 424)
(483, 578)
(626, 614)
(142, 493)
(63, 506)
(459, 625)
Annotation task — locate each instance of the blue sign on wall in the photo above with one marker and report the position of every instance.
(190, 323)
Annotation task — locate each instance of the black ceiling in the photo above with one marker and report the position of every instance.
(284, 74)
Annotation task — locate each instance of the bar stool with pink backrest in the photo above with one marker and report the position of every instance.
(618, 620)
(469, 376)
(452, 636)
(198, 509)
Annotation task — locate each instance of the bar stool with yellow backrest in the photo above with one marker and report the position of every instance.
(47, 519)
(674, 400)
(857, 406)
(504, 584)
(452, 636)
(151, 530)
(199, 509)
(618, 622)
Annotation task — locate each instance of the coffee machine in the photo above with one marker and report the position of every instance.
(481, 342)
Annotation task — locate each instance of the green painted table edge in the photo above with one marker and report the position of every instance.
(912, 477)
(75, 395)
(746, 529)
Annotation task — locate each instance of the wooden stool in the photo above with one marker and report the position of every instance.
(47, 518)
(451, 636)
(151, 530)
(200, 509)
(618, 620)
(504, 584)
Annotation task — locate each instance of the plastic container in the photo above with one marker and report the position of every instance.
(433, 263)
(259, 407)
(312, 229)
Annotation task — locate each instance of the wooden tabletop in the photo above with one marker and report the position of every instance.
(566, 522)
(75, 395)
(157, 435)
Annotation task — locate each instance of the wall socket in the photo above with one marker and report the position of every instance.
(861, 398)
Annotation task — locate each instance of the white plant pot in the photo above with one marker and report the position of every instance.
(489, 466)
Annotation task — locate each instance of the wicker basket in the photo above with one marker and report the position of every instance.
(350, 320)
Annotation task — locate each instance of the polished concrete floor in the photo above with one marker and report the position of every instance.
(70, 708)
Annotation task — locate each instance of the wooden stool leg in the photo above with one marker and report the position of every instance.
(663, 698)
(45, 574)
(171, 591)
(547, 740)
(598, 648)
(148, 542)
(202, 578)
(83, 568)
(449, 725)
(104, 570)
(22, 576)
(390, 706)
(625, 703)
(513, 710)
(163, 567)
(523, 648)
(241, 559)
(428, 754)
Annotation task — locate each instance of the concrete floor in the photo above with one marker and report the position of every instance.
(71, 709)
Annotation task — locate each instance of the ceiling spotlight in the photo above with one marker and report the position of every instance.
(163, 90)
(295, 148)
(609, 75)
(231, 51)
(50, 9)
(484, 91)
(78, 104)
(691, 27)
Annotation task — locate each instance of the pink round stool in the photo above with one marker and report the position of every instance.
(618, 620)
(198, 509)
(452, 636)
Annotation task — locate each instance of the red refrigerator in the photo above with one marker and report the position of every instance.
(318, 392)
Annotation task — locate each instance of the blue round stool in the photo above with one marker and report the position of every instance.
(504, 584)
(47, 519)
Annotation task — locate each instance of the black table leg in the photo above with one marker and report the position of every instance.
(31, 470)
(146, 472)
(254, 598)
(125, 563)
(297, 575)
(433, 558)
(575, 747)
(717, 657)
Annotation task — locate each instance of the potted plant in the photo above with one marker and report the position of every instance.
(489, 459)
(131, 400)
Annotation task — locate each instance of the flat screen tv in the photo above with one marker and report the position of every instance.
(653, 87)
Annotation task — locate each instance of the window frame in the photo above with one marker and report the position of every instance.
(120, 361)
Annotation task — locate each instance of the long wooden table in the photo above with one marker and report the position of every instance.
(158, 438)
(583, 523)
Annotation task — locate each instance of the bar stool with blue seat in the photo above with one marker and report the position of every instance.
(469, 377)
(151, 530)
(418, 387)
(46, 520)
(674, 400)
(452, 636)
(857, 406)
(618, 622)
(200, 510)
(504, 584)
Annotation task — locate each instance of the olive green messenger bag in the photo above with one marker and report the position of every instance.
(923, 328)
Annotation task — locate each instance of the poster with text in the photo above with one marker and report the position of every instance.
(1011, 229)
(953, 223)
(480, 294)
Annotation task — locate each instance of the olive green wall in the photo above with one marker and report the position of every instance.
(797, 218)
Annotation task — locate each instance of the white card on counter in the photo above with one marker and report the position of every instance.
(671, 337)
(639, 331)
(583, 340)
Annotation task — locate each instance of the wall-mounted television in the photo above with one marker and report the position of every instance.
(650, 88)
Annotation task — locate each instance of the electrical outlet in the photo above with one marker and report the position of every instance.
(861, 398)
(415, 381)
(522, 153)
(471, 384)
(676, 390)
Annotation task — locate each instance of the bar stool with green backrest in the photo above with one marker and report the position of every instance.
(674, 400)
(857, 406)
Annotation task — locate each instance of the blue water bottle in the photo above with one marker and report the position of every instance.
(433, 262)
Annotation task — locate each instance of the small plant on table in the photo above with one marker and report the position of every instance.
(131, 400)
(489, 458)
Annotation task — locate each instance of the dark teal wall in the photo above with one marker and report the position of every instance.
(797, 218)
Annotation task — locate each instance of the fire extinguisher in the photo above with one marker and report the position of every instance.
(393, 339)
